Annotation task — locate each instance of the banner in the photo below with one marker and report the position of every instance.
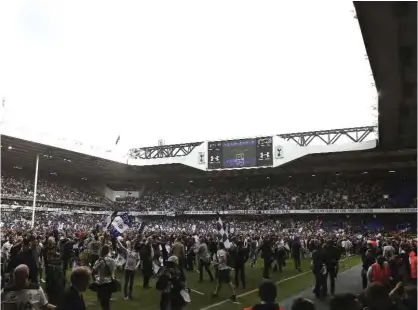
(200, 212)
(342, 211)
(10, 208)
(272, 212)
(355, 211)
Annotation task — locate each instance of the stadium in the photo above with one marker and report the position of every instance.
(340, 180)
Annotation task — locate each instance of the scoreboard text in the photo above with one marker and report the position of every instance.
(243, 153)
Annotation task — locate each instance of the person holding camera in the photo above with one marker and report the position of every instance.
(171, 284)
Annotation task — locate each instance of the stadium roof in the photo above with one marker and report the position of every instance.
(390, 35)
(21, 154)
(391, 54)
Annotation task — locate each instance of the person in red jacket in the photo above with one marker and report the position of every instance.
(379, 272)
(413, 264)
(267, 291)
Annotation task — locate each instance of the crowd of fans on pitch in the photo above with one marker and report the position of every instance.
(83, 229)
(351, 237)
(337, 193)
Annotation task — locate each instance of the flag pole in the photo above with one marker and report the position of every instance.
(35, 189)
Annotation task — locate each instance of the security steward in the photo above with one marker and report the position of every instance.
(413, 264)
(379, 272)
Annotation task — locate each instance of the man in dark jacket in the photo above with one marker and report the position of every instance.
(72, 298)
(25, 257)
(319, 271)
(239, 263)
(267, 255)
(267, 291)
(170, 283)
(55, 281)
(332, 258)
(146, 255)
(296, 252)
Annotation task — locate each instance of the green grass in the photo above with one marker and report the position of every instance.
(149, 299)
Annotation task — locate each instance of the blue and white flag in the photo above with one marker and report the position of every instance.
(118, 224)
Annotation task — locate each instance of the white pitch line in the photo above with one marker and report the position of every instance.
(253, 291)
(256, 290)
(197, 292)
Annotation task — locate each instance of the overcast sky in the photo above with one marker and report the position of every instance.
(181, 71)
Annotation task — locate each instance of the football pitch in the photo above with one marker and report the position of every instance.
(289, 282)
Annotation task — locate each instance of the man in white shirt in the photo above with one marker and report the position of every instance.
(223, 271)
(23, 294)
(388, 250)
(346, 244)
(94, 250)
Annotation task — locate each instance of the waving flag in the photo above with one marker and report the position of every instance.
(118, 224)
(141, 227)
(222, 231)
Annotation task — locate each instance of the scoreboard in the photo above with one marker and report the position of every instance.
(243, 153)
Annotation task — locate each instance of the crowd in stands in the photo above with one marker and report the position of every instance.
(48, 190)
(336, 193)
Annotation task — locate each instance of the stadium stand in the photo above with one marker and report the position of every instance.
(19, 187)
(362, 198)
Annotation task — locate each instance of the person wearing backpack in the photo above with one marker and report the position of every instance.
(104, 269)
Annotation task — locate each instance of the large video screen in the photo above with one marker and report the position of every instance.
(241, 153)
